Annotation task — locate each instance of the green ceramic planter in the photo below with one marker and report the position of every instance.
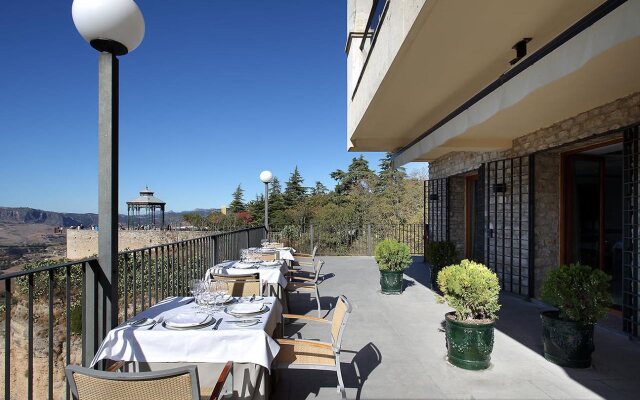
(469, 345)
(566, 343)
(391, 282)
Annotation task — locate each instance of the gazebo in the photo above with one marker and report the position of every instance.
(144, 210)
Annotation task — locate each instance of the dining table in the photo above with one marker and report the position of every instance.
(273, 274)
(158, 338)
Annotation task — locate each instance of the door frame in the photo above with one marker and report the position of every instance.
(566, 203)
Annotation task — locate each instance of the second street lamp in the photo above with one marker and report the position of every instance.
(114, 28)
(266, 177)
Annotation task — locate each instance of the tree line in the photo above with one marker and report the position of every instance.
(360, 196)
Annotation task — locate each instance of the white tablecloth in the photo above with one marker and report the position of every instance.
(268, 274)
(227, 343)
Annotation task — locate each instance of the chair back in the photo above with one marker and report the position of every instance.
(317, 267)
(170, 384)
(269, 256)
(241, 285)
(313, 253)
(339, 322)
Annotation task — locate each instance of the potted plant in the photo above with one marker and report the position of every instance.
(392, 258)
(439, 255)
(581, 296)
(471, 289)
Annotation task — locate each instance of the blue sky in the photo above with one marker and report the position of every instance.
(217, 92)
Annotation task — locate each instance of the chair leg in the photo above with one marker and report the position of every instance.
(341, 389)
(318, 301)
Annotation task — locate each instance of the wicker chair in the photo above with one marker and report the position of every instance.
(307, 354)
(241, 285)
(170, 384)
(302, 283)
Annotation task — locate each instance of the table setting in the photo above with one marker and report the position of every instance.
(271, 272)
(179, 329)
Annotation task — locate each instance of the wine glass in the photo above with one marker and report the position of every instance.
(196, 287)
(222, 289)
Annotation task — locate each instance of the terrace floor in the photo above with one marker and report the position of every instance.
(394, 348)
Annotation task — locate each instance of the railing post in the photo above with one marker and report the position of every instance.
(311, 238)
(369, 244)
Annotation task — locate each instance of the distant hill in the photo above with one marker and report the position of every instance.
(25, 215)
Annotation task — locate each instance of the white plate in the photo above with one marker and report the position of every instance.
(248, 298)
(187, 320)
(246, 309)
(271, 263)
(243, 324)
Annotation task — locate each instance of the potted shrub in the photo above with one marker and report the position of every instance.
(392, 258)
(439, 255)
(581, 295)
(471, 289)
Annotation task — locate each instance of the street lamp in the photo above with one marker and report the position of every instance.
(114, 28)
(266, 177)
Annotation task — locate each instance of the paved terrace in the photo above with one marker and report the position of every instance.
(394, 348)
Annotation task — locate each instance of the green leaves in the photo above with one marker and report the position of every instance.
(471, 289)
(579, 292)
(392, 256)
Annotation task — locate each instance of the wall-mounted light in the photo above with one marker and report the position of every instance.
(499, 188)
(521, 50)
(433, 197)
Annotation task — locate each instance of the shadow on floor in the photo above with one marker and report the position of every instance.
(419, 272)
(300, 384)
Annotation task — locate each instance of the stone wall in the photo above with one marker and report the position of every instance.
(601, 120)
(84, 243)
(457, 218)
(546, 216)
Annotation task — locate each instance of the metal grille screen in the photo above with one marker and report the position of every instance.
(631, 232)
(438, 209)
(507, 200)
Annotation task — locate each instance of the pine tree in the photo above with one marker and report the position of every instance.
(358, 174)
(256, 209)
(319, 188)
(294, 192)
(237, 204)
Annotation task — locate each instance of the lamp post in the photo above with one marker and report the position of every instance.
(266, 177)
(114, 28)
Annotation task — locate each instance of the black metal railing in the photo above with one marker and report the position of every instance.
(353, 240)
(44, 312)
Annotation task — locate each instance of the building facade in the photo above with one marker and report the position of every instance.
(527, 114)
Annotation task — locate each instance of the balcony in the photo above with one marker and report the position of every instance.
(393, 346)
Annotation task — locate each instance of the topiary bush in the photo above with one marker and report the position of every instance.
(471, 289)
(392, 256)
(580, 292)
(440, 255)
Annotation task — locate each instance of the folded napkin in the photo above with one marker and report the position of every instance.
(246, 308)
(184, 320)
